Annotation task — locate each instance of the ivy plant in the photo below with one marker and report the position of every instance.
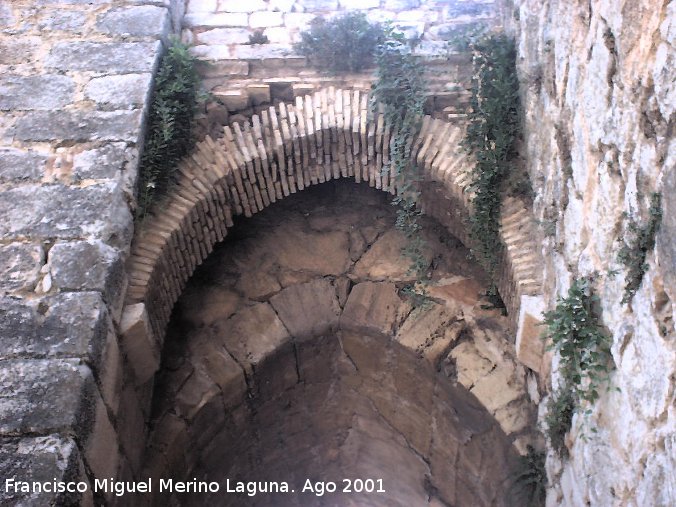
(574, 332)
(399, 92)
(639, 241)
(170, 119)
(493, 130)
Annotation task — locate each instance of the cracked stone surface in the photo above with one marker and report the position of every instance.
(343, 376)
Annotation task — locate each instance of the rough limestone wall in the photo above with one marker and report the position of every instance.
(75, 78)
(600, 98)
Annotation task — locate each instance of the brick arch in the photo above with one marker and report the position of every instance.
(328, 135)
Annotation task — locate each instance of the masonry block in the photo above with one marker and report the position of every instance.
(529, 344)
(50, 91)
(239, 6)
(265, 19)
(120, 57)
(104, 162)
(43, 396)
(140, 20)
(17, 165)
(20, 265)
(221, 19)
(138, 342)
(57, 211)
(73, 324)
(123, 91)
(42, 459)
(80, 126)
(89, 265)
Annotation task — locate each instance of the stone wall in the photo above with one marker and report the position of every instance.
(76, 75)
(244, 76)
(598, 89)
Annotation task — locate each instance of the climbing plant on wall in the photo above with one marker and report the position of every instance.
(399, 92)
(350, 43)
(493, 130)
(585, 362)
(169, 132)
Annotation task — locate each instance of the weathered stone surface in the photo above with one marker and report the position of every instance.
(104, 56)
(80, 126)
(265, 19)
(64, 325)
(202, 6)
(19, 50)
(49, 91)
(20, 265)
(457, 289)
(42, 459)
(224, 36)
(57, 211)
(384, 260)
(121, 91)
(93, 265)
(359, 4)
(308, 309)
(138, 342)
(529, 342)
(237, 6)
(105, 162)
(212, 20)
(21, 165)
(431, 332)
(397, 5)
(136, 20)
(319, 5)
(374, 307)
(68, 21)
(6, 15)
(259, 320)
(41, 396)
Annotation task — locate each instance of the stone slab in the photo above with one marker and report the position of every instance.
(374, 307)
(120, 57)
(139, 20)
(42, 459)
(49, 91)
(16, 165)
(80, 126)
(529, 343)
(43, 396)
(57, 211)
(20, 265)
(308, 309)
(252, 335)
(88, 265)
(122, 91)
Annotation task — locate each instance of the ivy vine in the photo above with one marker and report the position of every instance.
(493, 130)
(399, 92)
(585, 362)
(639, 241)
